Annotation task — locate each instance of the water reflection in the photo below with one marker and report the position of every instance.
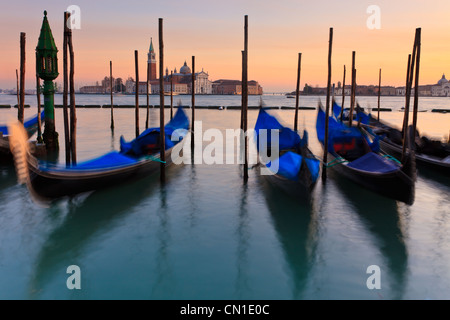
(163, 273)
(113, 139)
(292, 222)
(192, 197)
(8, 177)
(382, 218)
(243, 240)
(94, 215)
(437, 179)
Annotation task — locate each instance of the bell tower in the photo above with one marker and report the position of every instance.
(151, 62)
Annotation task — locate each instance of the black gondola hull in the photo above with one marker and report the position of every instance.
(395, 185)
(298, 189)
(6, 156)
(53, 184)
(423, 161)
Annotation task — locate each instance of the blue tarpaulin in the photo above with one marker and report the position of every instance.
(116, 159)
(27, 124)
(336, 110)
(288, 138)
(150, 137)
(107, 161)
(314, 167)
(339, 132)
(375, 163)
(288, 165)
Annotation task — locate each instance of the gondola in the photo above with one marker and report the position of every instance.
(295, 169)
(429, 153)
(30, 125)
(135, 160)
(352, 155)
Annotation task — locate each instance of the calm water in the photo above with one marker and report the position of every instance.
(206, 235)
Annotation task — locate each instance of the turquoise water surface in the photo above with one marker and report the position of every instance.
(207, 235)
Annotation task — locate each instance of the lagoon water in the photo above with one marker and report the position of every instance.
(207, 235)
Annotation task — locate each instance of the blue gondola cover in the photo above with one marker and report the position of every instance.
(150, 138)
(27, 124)
(288, 138)
(288, 165)
(375, 163)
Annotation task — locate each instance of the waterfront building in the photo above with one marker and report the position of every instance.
(442, 88)
(183, 80)
(151, 61)
(225, 86)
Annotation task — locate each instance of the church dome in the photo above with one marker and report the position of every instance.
(185, 69)
(443, 80)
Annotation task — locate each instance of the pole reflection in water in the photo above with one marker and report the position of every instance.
(243, 239)
(163, 284)
(82, 223)
(381, 217)
(291, 220)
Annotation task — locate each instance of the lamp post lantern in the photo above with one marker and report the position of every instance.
(47, 70)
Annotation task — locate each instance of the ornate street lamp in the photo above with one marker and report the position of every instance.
(47, 69)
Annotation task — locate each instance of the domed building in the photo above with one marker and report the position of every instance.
(185, 69)
(184, 77)
(442, 81)
(442, 88)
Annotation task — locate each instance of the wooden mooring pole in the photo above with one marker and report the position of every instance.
(111, 95)
(171, 95)
(353, 91)
(327, 108)
(406, 109)
(245, 96)
(17, 88)
(66, 89)
(136, 95)
(20, 107)
(73, 114)
(162, 137)
(343, 96)
(193, 104)
(408, 97)
(297, 90)
(379, 94)
(416, 86)
(147, 89)
(38, 97)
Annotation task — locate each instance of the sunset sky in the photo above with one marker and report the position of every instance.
(212, 31)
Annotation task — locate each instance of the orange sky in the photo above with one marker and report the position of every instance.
(213, 32)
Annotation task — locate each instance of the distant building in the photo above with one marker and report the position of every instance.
(106, 84)
(225, 86)
(180, 82)
(442, 88)
(387, 91)
(92, 89)
(347, 90)
(183, 80)
(118, 85)
(151, 62)
(130, 86)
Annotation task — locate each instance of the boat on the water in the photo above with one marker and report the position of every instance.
(355, 157)
(30, 125)
(295, 169)
(135, 160)
(429, 153)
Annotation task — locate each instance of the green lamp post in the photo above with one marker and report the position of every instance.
(47, 69)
